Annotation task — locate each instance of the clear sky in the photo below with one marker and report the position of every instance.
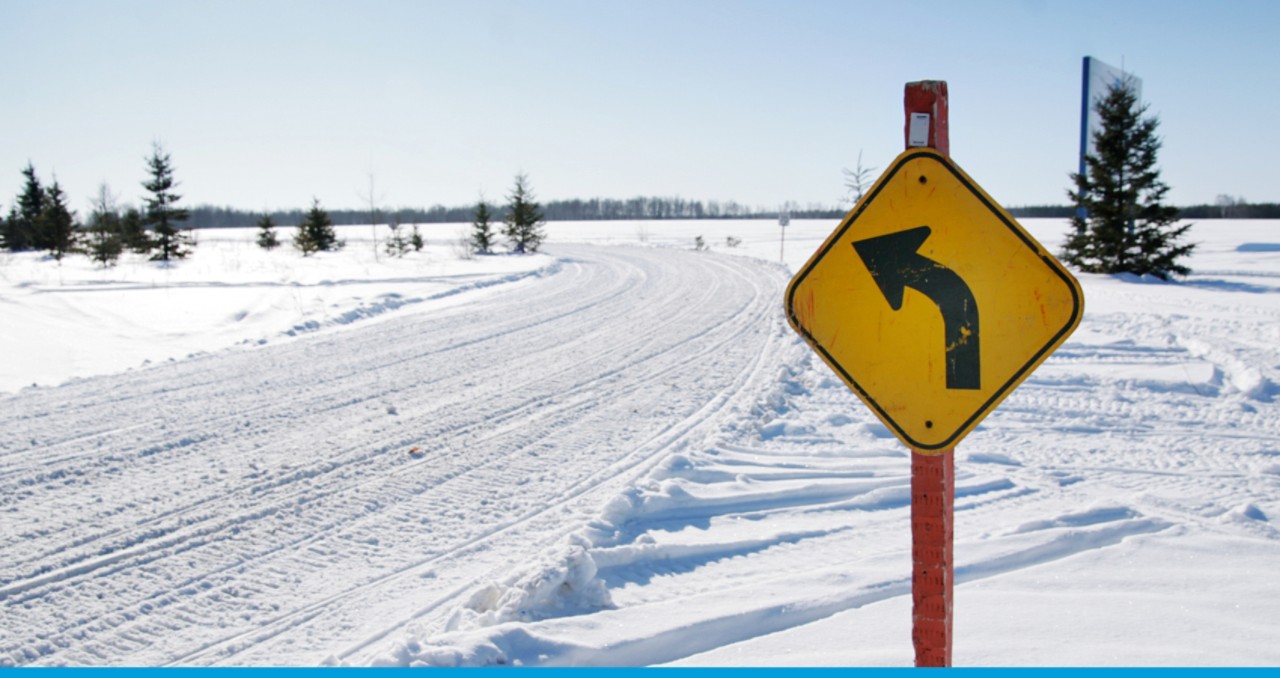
(267, 103)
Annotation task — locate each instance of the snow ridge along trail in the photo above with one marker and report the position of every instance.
(276, 506)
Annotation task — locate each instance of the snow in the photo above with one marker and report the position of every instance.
(79, 319)
(612, 453)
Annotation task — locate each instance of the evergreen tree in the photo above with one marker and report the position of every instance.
(524, 219)
(133, 232)
(163, 215)
(21, 229)
(104, 242)
(397, 242)
(415, 239)
(57, 223)
(267, 239)
(1121, 224)
(315, 233)
(482, 234)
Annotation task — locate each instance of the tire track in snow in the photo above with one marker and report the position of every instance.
(227, 421)
(602, 483)
(704, 553)
(515, 412)
(221, 551)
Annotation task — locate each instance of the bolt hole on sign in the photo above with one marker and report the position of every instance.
(931, 302)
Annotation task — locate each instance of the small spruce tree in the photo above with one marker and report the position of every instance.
(267, 238)
(524, 218)
(57, 223)
(415, 239)
(21, 230)
(315, 233)
(104, 242)
(1121, 223)
(397, 242)
(482, 235)
(133, 232)
(163, 215)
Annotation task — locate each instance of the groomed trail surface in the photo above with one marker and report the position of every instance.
(1122, 498)
(303, 501)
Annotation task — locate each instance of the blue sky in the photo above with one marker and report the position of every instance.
(267, 103)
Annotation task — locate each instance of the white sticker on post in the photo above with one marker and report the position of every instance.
(918, 134)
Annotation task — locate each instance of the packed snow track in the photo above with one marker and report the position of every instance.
(276, 505)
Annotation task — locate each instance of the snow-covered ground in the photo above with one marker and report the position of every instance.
(613, 453)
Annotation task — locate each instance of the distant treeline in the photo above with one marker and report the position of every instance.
(595, 209)
(605, 209)
(1221, 210)
(1264, 210)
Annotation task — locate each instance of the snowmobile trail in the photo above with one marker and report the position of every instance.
(267, 506)
(1148, 443)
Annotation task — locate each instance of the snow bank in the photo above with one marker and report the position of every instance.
(73, 319)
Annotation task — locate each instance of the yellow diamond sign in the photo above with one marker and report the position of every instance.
(931, 302)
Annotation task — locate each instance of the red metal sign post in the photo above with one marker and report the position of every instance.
(933, 486)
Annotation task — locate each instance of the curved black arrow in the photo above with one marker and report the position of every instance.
(895, 265)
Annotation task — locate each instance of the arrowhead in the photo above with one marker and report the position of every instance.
(893, 262)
